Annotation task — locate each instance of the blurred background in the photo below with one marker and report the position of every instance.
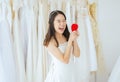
(24, 23)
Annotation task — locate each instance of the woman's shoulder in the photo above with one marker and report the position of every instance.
(51, 46)
(52, 42)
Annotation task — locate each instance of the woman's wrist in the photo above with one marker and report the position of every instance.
(74, 41)
(70, 43)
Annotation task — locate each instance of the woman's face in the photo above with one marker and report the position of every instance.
(59, 23)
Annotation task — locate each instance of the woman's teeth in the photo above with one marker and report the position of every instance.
(61, 29)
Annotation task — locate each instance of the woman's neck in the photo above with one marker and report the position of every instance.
(60, 38)
(59, 35)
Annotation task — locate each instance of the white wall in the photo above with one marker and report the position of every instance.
(109, 27)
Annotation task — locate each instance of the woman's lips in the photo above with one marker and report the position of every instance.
(62, 29)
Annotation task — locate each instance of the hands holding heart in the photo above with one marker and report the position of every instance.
(74, 27)
(74, 34)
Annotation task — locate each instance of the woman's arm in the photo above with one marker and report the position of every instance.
(76, 49)
(64, 57)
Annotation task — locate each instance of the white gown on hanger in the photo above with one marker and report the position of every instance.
(60, 72)
(2, 73)
(7, 62)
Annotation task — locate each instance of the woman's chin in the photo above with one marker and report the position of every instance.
(61, 32)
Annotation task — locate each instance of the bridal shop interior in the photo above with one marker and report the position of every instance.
(24, 23)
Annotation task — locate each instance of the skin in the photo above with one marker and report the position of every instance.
(60, 25)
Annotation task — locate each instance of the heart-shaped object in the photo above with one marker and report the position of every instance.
(74, 27)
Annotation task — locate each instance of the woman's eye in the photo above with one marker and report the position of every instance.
(64, 21)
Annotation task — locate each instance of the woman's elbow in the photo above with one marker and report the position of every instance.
(66, 61)
(77, 54)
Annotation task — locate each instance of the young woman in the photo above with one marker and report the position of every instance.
(62, 46)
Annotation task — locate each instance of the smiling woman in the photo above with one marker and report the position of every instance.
(63, 47)
(27, 21)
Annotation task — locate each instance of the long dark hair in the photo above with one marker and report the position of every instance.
(51, 30)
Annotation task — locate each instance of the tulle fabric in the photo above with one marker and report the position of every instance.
(7, 63)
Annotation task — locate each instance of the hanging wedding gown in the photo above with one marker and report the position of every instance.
(91, 45)
(68, 15)
(115, 74)
(29, 60)
(18, 47)
(83, 43)
(42, 64)
(7, 62)
(61, 72)
(2, 73)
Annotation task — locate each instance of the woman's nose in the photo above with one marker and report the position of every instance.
(62, 23)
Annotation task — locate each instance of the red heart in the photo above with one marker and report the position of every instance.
(74, 27)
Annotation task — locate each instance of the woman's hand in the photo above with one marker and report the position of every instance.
(74, 35)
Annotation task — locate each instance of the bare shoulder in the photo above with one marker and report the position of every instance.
(52, 47)
(55, 51)
(51, 44)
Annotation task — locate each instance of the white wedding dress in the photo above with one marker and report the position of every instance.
(61, 72)
(8, 71)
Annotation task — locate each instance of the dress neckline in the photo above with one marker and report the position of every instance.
(61, 44)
